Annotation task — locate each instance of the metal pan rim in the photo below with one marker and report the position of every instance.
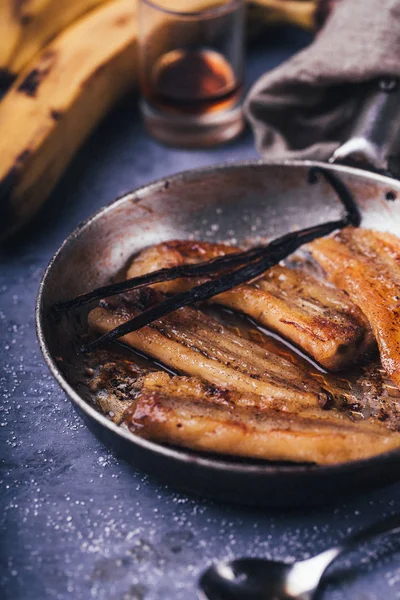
(217, 464)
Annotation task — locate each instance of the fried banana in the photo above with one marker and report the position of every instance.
(186, 412)
(366, 264)
(318, 318)
(190, 342)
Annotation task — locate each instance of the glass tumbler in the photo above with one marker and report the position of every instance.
(191, 70)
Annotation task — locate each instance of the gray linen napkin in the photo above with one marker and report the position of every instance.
(306, 107)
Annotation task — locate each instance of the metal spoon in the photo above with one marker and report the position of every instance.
(258, 579)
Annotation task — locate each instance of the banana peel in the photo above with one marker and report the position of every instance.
(57, 101)
(300, 13)
(26, 27)
(10, 33)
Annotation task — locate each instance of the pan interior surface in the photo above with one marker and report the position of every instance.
(242, 204)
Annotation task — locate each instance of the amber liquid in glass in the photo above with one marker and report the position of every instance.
(192, 81)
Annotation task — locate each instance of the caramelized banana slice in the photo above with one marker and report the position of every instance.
(367, 265)
(188, 341)
(316, 317)
(185, 412)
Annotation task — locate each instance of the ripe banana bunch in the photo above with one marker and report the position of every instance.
(295, 12)
(25, 27)
(66, 85)
(57, 101)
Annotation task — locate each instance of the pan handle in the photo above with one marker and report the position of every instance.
(374, 142)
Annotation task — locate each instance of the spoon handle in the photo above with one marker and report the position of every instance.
(390, 525)
(305, 576)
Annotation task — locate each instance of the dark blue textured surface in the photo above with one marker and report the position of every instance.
(76, 522)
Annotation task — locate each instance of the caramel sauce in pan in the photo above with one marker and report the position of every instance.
(361, 391)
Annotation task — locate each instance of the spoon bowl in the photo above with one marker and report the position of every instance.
(251, 578)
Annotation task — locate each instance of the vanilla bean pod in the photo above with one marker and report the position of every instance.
(276, 251)
(216, 265)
